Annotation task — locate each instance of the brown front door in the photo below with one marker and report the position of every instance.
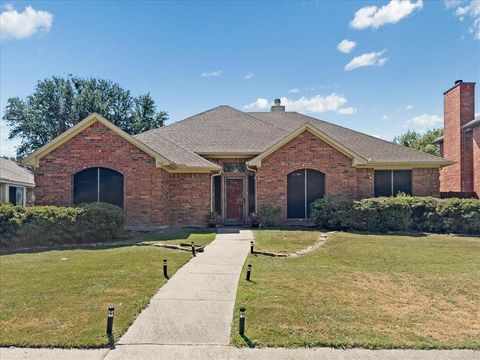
(234, 200)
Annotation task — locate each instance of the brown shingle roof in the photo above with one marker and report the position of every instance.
(227, 130)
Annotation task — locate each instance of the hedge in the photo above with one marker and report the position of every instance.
(56, 225)
(402, 213)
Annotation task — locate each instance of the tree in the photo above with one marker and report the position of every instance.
(58, 103)
(420, 141)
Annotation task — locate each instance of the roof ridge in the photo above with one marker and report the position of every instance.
(373, 137)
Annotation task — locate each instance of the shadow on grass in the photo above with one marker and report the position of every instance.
(247, 340)
(111, 341)
(128, 238)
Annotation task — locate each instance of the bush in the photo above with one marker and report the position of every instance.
(269, 214)
(54, 225)
(402, 213)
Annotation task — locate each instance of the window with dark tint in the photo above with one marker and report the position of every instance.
(98, 184)
(383, 182)
(217, 194)
(303, 188)
(402, 182)
(251, 194)
(391, 182)
(16, 195)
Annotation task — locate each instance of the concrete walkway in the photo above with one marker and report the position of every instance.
(196, 305)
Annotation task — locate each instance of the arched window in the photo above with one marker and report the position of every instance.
(98, 184)
(303, 188)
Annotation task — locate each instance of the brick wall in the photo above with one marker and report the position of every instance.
(458, 110)
(425, 182)
(148, 197)
(308, 151)
(476, 160)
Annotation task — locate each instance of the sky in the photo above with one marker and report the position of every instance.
(379, 67)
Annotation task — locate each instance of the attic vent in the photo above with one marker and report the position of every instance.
(277, 106)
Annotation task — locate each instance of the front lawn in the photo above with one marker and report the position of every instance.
(284, 242)
(60, 298)
(373, 291)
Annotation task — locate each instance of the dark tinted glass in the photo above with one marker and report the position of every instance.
(15, 195)
(315, 187)
(218, 194)
(383, 182)
(85, 186)
(296, 195)
(111, 187)
(251, 194)
(402, 181)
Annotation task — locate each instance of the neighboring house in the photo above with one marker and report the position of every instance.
(16, 183)
(227, 161)
(461, 140)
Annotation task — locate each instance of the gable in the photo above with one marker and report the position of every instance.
(307, 128)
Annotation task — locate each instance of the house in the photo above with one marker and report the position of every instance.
(226, 161)
(461, 140)
(16, 183)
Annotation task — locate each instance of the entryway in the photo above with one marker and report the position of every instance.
(234, 209)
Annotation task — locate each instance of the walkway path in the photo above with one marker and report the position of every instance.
(196, 305)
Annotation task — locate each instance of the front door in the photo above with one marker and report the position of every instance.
(234, 200)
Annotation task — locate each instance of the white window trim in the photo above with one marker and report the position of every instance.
(24, 193)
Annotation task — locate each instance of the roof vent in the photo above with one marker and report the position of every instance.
(277, 106)
(458, 81)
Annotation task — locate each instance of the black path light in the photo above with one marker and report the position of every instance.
(193, 248)
(249, 271)
(165, 270)
(241, 327)
(111, 311)
(251, 246)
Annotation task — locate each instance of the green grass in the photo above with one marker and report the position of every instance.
(284, 241)
(186, 235)
(373, 291)
(60, 298)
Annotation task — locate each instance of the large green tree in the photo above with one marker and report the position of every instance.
(420, 141)
(58, 103)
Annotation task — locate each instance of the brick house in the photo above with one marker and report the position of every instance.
(461, 140)
(16, 183)
(225, 161)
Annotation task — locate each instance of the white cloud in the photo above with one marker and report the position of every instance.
(25, 24)
(471, 10)
(384, 117)
(259, 104)
(249, 76)
(211, 73)
(294, 91)
(393, 12)
(347, 111)
(368, 59)
(409, 107)
(7, 147)
(424, 122)
(345, 46)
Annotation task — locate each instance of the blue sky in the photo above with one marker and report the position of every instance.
(192, 56)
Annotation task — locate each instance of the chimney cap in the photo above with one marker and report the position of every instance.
(277, 102)
(277, 106)
(458, 81)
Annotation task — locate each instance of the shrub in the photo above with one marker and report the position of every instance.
(333, 213)
(402, 213)
(460, 215)
(55, 225)
(269, 214)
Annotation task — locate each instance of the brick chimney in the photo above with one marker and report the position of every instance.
(459, 109)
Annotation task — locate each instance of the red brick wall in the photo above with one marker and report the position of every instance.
(308, 151)
(467, 158)
(149, 199)
(476, 160)
(425, 182)
(458, 110)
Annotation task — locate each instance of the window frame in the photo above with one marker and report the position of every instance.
(24, 202)
(392, 172)
(305, 191)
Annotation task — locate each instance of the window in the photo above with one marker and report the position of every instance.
(98, 184)
(217, 194)
(303, 188)
(16, 195)
(391, 182)
(251, 194)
